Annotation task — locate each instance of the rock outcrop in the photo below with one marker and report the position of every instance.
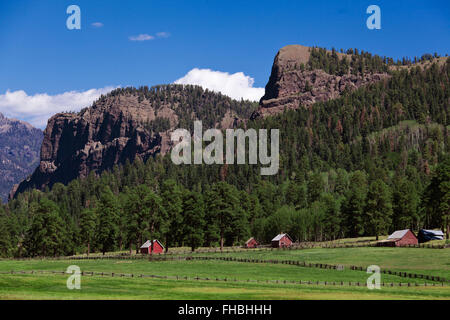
(292, 84)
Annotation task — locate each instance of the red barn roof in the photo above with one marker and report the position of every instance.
(146, 248)
(281, 236)
(281, 241)
(400, 238)
(148, 244)
(251, 243)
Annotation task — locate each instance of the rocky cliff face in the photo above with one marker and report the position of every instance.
(292, 84)
(19, 152)
(126, 124)
(75, 144)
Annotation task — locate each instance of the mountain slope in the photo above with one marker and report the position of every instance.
(19, 152)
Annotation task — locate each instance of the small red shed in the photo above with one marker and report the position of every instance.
(146, 248)
(251, 243)
(399, 238)
(281, 241)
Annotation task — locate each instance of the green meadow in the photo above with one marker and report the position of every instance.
(434, 262)
(263, 276)
(54, 287)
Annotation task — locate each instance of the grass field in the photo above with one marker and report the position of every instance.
(434, 262)
(53, 286)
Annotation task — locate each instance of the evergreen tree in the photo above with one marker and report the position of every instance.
(315, 187)
(171, 196)
(353, 210)
(223, 208)
(107, 212)
(136, 215)
(405, 201)
(122, 234)
(46, 234)
(156, 216)
(267, 196)
(316, 218)
(88, 225)
(296, 195)
(437, 198)
(332, 218)
(378, 208)
(193, 219)
(279, 222)
(211, 232)
(5, 241)
(255, 215)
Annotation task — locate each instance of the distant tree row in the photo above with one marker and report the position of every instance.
(357, 63)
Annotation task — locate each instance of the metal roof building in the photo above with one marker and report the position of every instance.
(281, 241)
(399, 238)
(147, 247)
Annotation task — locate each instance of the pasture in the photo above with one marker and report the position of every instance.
(217, 279)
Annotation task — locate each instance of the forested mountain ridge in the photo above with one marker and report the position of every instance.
(374, 160)
(19, 152)
(302, 76)
(125, 124)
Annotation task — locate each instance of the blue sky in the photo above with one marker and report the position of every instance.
(38, 54)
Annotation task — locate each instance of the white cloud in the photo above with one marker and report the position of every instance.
(236, 85)
(141, 37)
(97, 24)
(163, 34)
(38, 108)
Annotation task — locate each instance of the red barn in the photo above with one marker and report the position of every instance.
(281, 241)
(251, 243)
(146, 248)
(399, 238)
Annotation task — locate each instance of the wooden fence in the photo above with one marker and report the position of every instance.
(325, 266)
(197, 278)
(157, 258)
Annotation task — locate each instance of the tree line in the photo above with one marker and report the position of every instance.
(90, 215)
